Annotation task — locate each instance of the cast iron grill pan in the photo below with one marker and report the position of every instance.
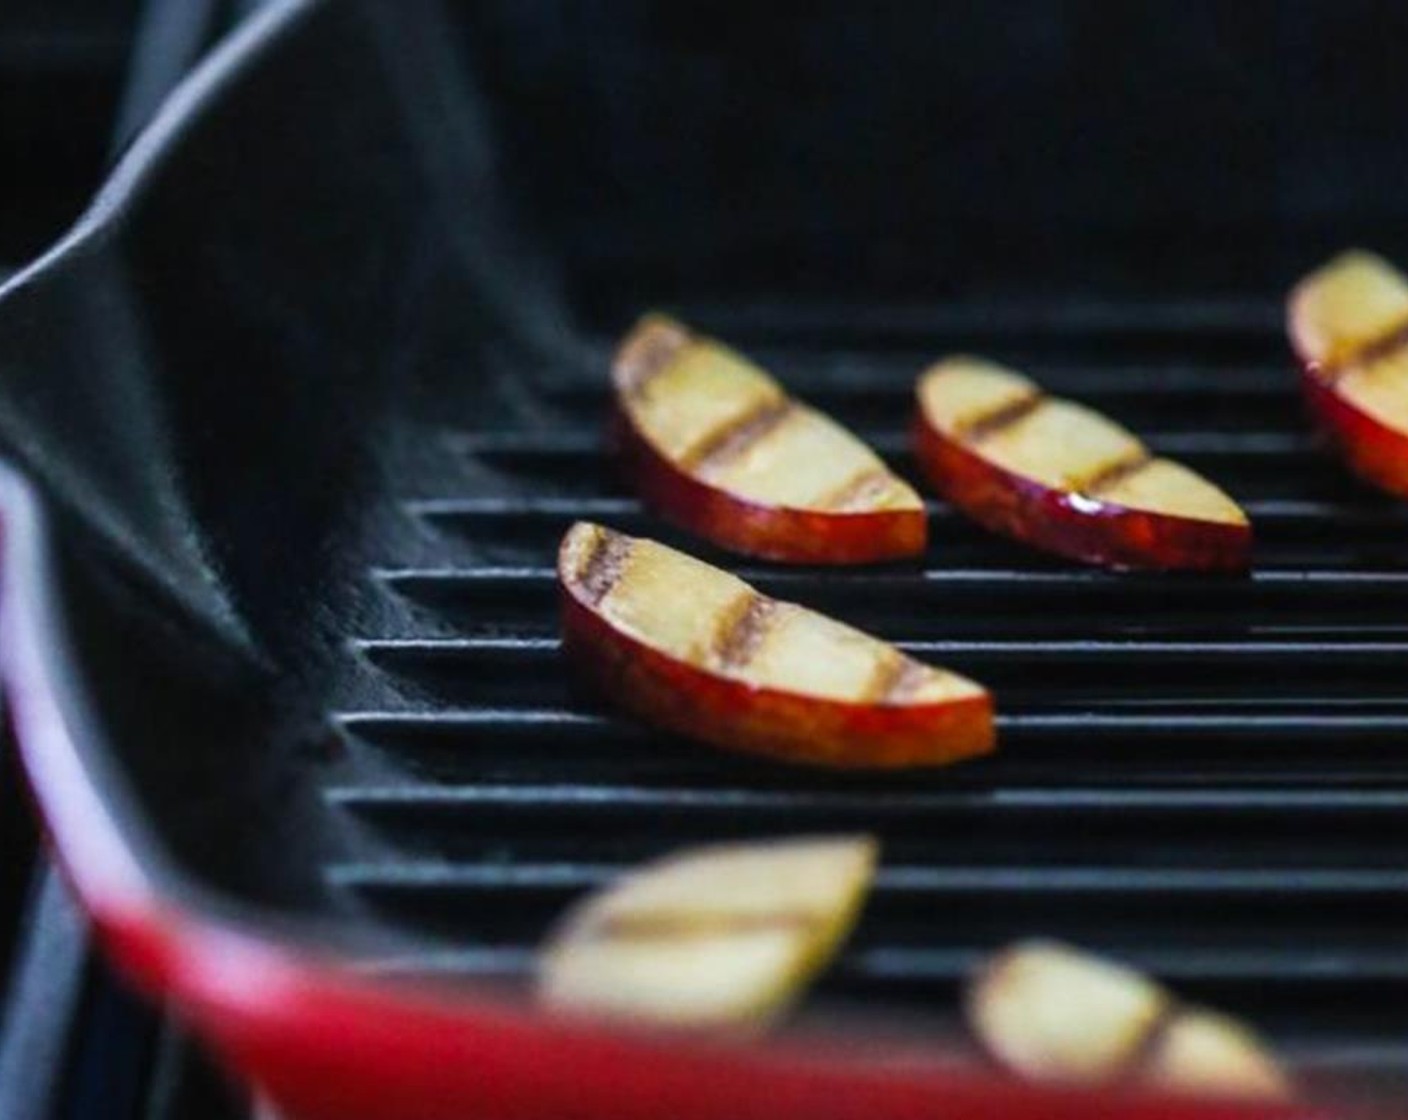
(1196, 774)
(309, 419)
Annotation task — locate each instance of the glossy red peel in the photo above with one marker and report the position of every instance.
(1057, 475)
(1074, 525)
(698, 704)
(796, 536)
(1375, 452)
(1334, 335)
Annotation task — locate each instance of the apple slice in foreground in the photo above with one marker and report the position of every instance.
(716, 446)
(1348, 324)
(1062, 477)
(691, 648)
(723, 936)
(1050, 1012)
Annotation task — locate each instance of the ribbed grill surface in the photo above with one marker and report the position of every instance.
(1207, 776)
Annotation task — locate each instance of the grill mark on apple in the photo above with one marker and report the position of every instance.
(1140, 1053)
(889, 665)
(741, 632)
(1140, 1059)
(975, 429)
(1111, 474)
(647, 353)
(861, 491)
(733, 439)
(677, 926)
(1367, 353)
(904, 678)
(604, 566)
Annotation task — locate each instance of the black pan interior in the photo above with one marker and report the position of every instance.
(314, 403)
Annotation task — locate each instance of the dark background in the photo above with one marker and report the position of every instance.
(62, 66)
(952, 149)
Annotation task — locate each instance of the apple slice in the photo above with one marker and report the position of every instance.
(1062, 477)
(1054, 1013)
(722, 936)
(691, 648)
(715, 445)
(1348, 324)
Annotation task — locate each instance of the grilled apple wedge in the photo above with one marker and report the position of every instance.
(715, 445)
(1348, 323)
(1059, 476)
(691, 648)
(1051, 1012)
(724, 936)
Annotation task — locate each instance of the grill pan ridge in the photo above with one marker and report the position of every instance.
(1175, 750)
(351, 570)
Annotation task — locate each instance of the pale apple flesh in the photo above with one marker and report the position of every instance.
(715, 445)
(1349, 326)
(1062, 477)
(726, 936)
(691, 648)
(1051, 1012)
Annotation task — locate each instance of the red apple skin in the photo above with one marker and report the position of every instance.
(713, 709)
(792, 536)
(1374, 451)
(1073, 525)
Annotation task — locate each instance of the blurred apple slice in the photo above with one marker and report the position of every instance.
(1201, 1051)
(1348, 324)
(1062, 477)
(712, 937)
(691, 648)
(715, 445)
(1051, 1012)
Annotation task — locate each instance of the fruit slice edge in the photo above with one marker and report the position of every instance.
(715, 444)
(695, 649)
(727, 935)
(1348, 323)
(1049, 1011)
(1062, 476)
